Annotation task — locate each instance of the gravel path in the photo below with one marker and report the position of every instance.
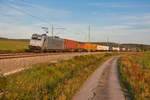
(103, 84)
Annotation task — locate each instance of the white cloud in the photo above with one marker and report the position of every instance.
(14, 11)
(51, 13)
(45, 11)
(102, 4)
(17, 31)
(116, 4)
(116, 27)
(116, 33)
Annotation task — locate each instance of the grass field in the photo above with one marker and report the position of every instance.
(52, 81)
(134, 72)
(7, 46)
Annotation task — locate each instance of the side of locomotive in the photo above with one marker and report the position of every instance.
(46, 43)
(53, 44)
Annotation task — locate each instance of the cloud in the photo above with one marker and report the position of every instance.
(45, 11)
(128, 29)
(116, 27)
(139, 21)
(71, 31)
(107, 4)
(49, 12)
(121, 35)
(38, 12)
(116, 4)
(79, 32)
(16, 31)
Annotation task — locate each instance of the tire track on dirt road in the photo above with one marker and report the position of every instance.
(103, 84)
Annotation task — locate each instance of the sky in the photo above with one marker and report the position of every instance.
(123, 21)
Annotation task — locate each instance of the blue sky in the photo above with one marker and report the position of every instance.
(124, 21)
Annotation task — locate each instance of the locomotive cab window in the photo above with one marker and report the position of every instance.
(36, 37)
(39, 37)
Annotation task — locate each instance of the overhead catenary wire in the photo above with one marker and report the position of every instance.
(22, 11)
(26, 13)
(34, 6)
(40, 18)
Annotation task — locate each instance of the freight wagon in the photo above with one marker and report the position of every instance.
(123, 49)
(88, 47)
(94, 47)
(70, 45)
(80, 46)
(102, 48)
(115, 49)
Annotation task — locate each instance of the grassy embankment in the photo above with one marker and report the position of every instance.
(10, 46)
(134, 70)
(53, 81)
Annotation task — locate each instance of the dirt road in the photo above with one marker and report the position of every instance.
(103, 84)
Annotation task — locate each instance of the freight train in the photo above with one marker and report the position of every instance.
(44, 43)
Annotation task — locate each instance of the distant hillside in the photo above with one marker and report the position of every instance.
(1, 38)
(140, 47)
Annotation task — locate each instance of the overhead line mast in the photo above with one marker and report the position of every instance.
(89, 31)
(52, 30)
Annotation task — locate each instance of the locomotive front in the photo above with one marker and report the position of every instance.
(36, 42)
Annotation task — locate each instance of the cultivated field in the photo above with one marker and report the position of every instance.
(135, 75)
(7, 46)
(54, 81)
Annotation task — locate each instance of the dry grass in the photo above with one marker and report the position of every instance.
(135, 75)
(53, 81)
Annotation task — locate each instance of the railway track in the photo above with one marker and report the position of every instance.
(23, 55)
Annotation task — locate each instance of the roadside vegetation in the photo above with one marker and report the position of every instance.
(10, 46)
(134, 70)
(53, 81)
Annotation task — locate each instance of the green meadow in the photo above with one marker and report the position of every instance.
(7, 46)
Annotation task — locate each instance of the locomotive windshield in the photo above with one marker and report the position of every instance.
(36, 37)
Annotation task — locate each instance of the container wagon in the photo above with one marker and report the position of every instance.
(88, 47)
(70, 45)
(80, 46)
(102, 48)
(94, 47)
(115, 49)
(123, 49)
